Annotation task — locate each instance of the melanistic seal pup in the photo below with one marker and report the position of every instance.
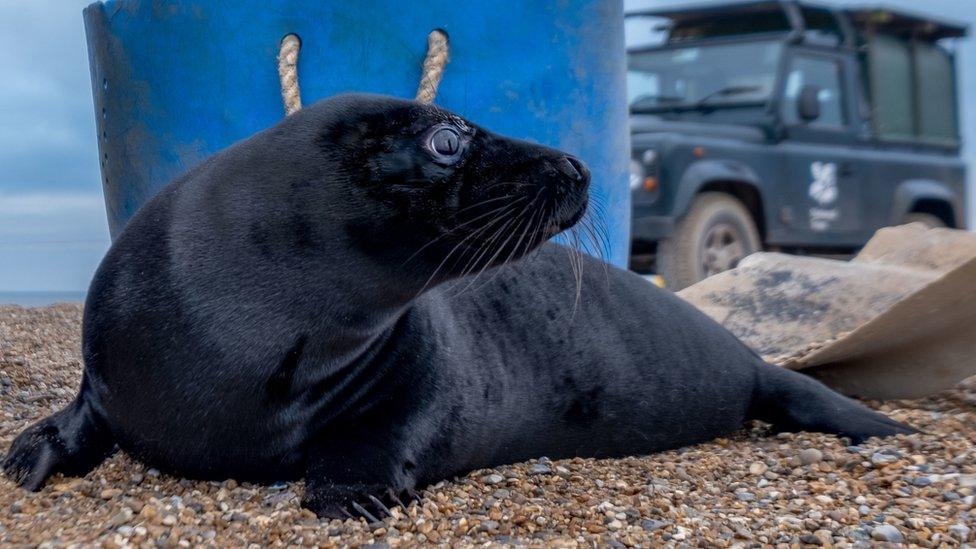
(308, 303)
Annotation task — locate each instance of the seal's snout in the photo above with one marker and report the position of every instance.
(567, 199)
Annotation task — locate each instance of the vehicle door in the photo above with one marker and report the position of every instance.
(824, 180)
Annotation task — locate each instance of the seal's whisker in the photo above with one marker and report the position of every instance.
(533, 233)
(499, 233)
(522, 229)
(485, 248)
(576, 260)
(498, 251)
(515, 183)
(586, 227)
(469, 275)
(536, 232)
(468, 222)
(507, 211)
(598, 223)
(578, 272)
(488, 201)
(600, 244)
(474, 235)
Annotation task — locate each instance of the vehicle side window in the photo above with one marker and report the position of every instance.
(823, 73)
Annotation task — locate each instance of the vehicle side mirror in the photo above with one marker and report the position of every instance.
(808, 104)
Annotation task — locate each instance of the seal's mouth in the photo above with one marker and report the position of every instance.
(557, 225)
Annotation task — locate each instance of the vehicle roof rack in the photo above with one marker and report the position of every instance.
(703, 10)
(904, 23)
(767, 16)
(867, 18)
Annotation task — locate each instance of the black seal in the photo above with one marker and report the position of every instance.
(363, 295)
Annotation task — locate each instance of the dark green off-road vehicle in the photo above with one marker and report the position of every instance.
(788, 126)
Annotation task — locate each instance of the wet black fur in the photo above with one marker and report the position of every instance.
(260, 319)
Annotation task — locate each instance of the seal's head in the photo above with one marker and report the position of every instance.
(422, 183)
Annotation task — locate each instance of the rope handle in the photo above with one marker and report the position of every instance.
(434, 63)
(430, 77)
(288, 73)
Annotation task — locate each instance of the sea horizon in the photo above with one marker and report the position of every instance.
(40, 298)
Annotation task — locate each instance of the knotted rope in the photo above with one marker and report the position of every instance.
(434, 63)
(430, 77)
(288, 73)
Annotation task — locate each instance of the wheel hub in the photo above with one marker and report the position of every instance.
(724, 248)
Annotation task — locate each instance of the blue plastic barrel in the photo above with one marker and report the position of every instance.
(177, 80)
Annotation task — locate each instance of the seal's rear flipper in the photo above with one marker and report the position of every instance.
(795, 402)
(73, 442)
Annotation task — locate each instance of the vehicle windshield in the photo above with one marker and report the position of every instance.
(697, 76)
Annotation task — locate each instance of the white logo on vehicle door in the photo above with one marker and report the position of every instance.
(823, 189)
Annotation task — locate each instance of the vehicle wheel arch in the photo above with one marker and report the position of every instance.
(744, 192)
(925, 196)
(735, 178)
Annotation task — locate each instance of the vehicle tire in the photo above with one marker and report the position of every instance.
(929, 220)
(716, 233)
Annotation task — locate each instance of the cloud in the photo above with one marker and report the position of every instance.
(47, 129)
(50, 240)
(30, 219)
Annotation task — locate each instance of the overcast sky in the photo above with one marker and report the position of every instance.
(52, 219)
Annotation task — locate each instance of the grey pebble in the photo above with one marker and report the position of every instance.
(540, 469)
(494, 478)
(886, 532)
(960, 532)
(921, 481)
(809, 456)
(810, 539)
(650, 524)
(882, 458)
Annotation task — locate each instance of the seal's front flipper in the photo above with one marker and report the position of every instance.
(795, 402)
(73, 442)
(373, 502)
(355, 478)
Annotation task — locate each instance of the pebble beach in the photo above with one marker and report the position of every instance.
(752, 489)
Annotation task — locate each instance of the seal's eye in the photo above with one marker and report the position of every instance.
(445, 141)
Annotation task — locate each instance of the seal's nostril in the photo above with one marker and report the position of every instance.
(573, 168)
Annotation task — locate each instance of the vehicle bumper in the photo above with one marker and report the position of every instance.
(651, 227)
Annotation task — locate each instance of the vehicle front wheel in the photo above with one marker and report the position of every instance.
(716, 233)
